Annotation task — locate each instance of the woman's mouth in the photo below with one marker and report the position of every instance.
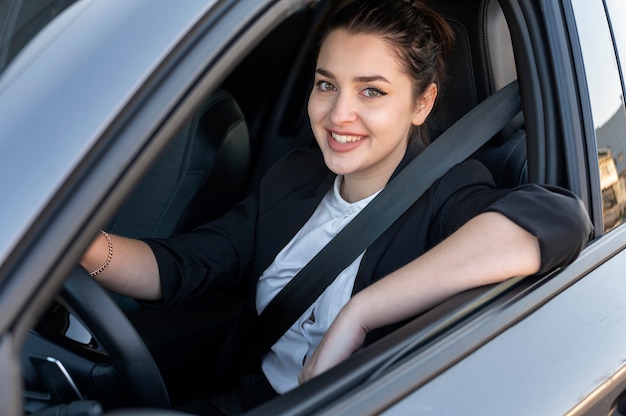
(343, 143)
(344, 138)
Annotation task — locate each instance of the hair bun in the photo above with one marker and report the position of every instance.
(441, 29)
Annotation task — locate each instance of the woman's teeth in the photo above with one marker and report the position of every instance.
(344, 138)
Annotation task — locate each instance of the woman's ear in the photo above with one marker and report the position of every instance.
(425, 105)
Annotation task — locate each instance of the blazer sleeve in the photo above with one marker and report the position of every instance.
(216, 255)
(554, 215)
(228, 252)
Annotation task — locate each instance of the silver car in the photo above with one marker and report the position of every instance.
(147, 117)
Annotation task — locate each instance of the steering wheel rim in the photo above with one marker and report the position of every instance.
(128, 353)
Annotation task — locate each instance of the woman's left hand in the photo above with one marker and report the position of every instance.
(487, 249)
(345, 336)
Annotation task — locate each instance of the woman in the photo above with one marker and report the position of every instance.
(378, 72)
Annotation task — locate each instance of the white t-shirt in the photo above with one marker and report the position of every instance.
(285, 360)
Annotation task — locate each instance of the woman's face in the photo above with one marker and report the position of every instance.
(362, 106)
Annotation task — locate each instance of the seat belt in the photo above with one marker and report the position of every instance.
(452, 147)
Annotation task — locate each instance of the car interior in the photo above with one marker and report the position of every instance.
(257, 116)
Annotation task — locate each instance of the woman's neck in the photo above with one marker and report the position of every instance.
(360, 185)
(355, 189)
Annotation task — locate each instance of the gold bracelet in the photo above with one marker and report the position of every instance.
(109, 256)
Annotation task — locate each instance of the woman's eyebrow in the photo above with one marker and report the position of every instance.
(371, 78)
(364, 78)
(324, 72)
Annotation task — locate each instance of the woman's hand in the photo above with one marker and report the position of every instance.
(344, 337)
(487, 249)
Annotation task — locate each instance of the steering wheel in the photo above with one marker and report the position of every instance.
(132, 367)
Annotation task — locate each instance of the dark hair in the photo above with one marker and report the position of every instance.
(421, 39)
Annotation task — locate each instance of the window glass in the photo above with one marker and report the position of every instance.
(617, 14)
(617, 17)
(607, 106)
(21, 20)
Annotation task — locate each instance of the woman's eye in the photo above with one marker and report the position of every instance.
(325, 86)
(373, 92)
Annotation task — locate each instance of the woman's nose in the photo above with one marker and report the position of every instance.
(343, 110)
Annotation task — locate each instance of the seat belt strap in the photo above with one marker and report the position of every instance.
(455, 145)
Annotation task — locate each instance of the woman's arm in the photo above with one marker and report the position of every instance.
(487, 249)
(132, 271)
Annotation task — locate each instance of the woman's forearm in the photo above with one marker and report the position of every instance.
(132, 271)
(488, 249)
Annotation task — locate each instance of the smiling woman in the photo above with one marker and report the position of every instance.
(365, 121)
(362, 121)
(377, 82)
(367, 105)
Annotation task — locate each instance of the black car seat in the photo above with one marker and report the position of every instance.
(481, 33)
(201, 173)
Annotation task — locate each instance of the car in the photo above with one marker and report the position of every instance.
(148, 117)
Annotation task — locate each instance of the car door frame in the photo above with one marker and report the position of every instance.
(95, 187)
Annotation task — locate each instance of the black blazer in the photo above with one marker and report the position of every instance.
(233, 251)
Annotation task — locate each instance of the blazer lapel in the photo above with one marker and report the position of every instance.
(282, 214)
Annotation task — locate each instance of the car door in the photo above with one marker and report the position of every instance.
(567, 356)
